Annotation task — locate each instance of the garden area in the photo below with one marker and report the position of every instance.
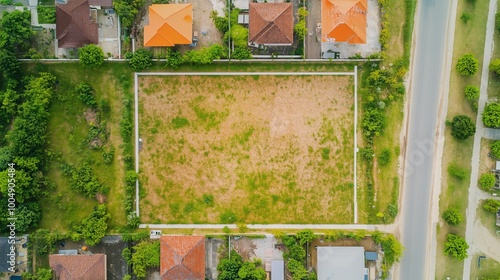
(220, 150)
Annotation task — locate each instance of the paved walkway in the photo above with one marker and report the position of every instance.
(475, 194)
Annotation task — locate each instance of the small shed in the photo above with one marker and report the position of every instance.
(371, 256)
(277, 270)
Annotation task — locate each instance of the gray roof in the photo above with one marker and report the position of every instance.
(371, 256)
(341, 263)
(4, 250)
(277, 270)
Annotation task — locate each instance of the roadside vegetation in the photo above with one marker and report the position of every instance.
(464, 93)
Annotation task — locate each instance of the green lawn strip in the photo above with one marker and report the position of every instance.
(494, 81)
(489, 268)
(469, 38)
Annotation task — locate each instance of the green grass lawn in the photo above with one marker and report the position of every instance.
(469, 38)
(494, 80)
(489, 268)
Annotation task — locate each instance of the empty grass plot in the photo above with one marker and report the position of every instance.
(246, 149)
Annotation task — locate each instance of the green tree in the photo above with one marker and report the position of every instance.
(373, 123)
(495, 65)
(15, 31)
(305, 236)
(300, 29)
(303, 13)
(91, 56)
(297, 269)
(174, 58)
(495, 149)
(467, 65)
(471, 92)
(491, 115)
(28, 216)
(145, 255)
(452, 216)
(456, 247)
(249, 271)
(239, 35)
(465, 17)
(487, 181)
(491, 205)
(41, 274)
(141, 59)
(462, 127)
(241, 53)
(93, 227)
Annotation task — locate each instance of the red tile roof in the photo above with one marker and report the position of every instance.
(79, 267)
(343, 21)
(182, 257)
(271, 23)
(73, 25)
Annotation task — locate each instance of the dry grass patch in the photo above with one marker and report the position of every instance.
(253, 149)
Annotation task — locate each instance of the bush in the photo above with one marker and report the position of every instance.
(491, 205)
(467, 65)
(457, 172)
(300, 29)
(471, 92)
(46, 15)
(462, 127)
(242, 53)
(452, 216)
(491, 115)
(487, 181)
(456, 247)
(373, 123)
(497, 21)
(465, 17)
(145, 255)
(174, 58)
(495, 149)
(384, 157)
(141, 59)
(91, 56)
(86, 94)
(204, 55)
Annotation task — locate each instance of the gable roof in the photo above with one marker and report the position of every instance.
(169, 25)
(271, 23)
(73, 25)
(343, 21)
(182, 257)
(79, 267)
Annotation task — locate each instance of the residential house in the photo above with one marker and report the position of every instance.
(75, 25)
(79, 267)
(270, 24)
(341, 262)
(343, 21)
(169, 25)
(182, 257)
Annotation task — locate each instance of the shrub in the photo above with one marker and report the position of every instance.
(145, 255)
(452, 216)
(457, 172)
(174, 58)
(491, 115)
(456, 247)
(46, 15)
(373, 123)
(467, 65)
(242, 53)
(487, 181)
(462, 127)
(86, 94)
(495, 149)
(491, 205)
(471, 92)
(91, 56)
(141, 59)
(465, 17)
(300, 29)
(497, 21)
(385, 157)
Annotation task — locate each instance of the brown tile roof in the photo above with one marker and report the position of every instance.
(79, 267)
(73, 25)
(101, 3)
(271, 23)
(182, 257)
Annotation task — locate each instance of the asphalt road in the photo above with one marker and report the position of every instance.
(427, 71)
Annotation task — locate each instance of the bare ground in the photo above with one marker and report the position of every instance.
(266, 149)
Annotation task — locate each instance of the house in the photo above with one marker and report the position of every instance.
(169, 25)
(79, 267)
(75, 25)
(182, 257)
(270, 24)
(343, 21)
(101, 4)
(339, 263)
(4, 257)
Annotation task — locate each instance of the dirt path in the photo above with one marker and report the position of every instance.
(484, 242)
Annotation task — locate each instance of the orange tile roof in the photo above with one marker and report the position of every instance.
(271, 23)
(169, 25)
(182, 257)
(343, 21)
(79, 267)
